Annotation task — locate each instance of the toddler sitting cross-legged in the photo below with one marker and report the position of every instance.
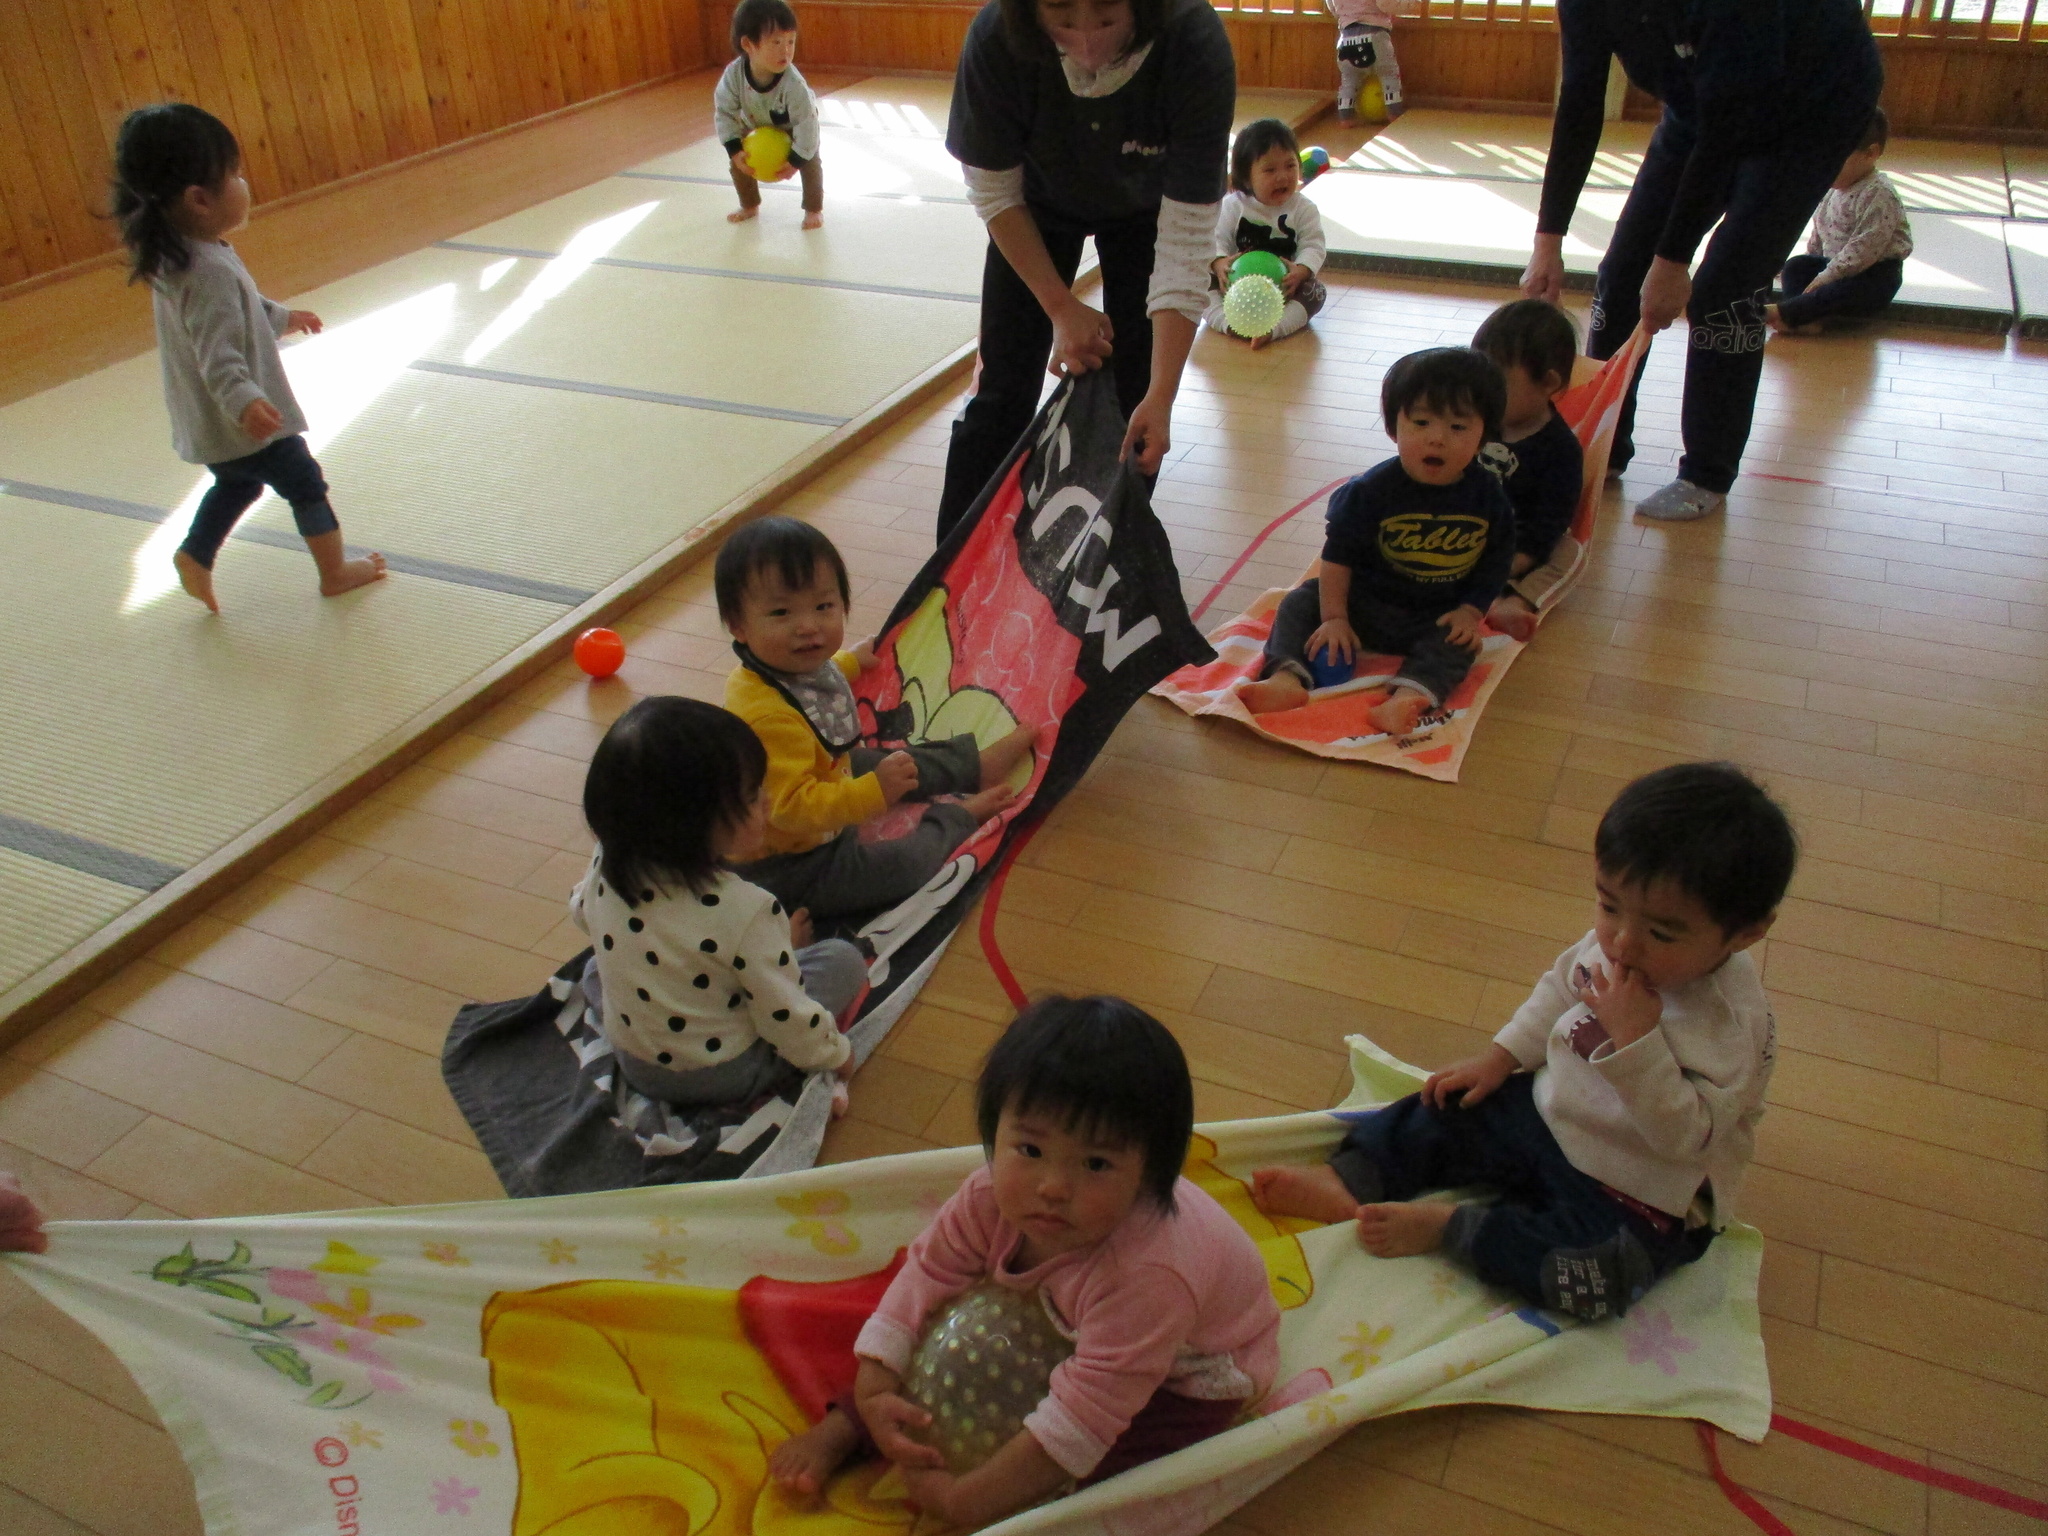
(783, 593)
(1417, 548)
(1616, 1113)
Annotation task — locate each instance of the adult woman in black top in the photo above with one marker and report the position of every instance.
(1073, 118)
(1763, 100)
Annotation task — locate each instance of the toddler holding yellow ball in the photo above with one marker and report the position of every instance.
(761, 89)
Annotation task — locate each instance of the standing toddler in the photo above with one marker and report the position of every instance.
(1616, 1112)
(1365, 46)
(1416, 552)
(762, 89)
(1264, 210)
(178, 195)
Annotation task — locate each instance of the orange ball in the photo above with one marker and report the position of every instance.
(600, 652)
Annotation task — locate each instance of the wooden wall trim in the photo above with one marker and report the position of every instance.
(318, 92)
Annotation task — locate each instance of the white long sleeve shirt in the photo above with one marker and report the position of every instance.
(1858, 227)
(1657, 1118)
(692, 979)
(737, 109)
(1293, 231)
(216, 337)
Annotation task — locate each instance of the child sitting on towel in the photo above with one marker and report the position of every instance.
(1085, 1110)
(1265, 210)
(1616, 1112)
(1417, 548)
(783, 593)
(1539, 458)
(709, 989)
(1855, 258)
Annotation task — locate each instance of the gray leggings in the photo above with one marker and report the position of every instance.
(833, 973)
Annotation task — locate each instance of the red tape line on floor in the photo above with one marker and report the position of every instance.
(1870, 1456)
(1253, 548)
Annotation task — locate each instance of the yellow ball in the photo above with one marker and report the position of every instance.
(766, 151)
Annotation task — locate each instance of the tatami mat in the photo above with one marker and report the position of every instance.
(1938, 175)
(1455, 221)
(2026, 173)
(162, 733)
(1498, 146)
(1958, 263)
(2027, 245)
(515, 430)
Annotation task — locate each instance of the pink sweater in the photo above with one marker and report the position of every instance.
(1177, 1301)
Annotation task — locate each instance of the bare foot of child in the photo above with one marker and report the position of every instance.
(998, 761)
(1398, 712)
(351, 574)
(1512, 616)
(741, 215)
(985, 803)
(1260, 341)
(802, 1463)
(1314, 1194)
(1401, 1229)
(195, 578)
(814, 221)
(1270, 695)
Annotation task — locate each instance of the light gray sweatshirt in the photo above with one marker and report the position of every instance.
(217, 339)
(737, 109)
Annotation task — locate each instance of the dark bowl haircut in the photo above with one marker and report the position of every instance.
(1107, 1069)
(1532, 335)
(753, 20)
(1258, 140)
(791, 549)
(1709, 829)
(1446, 379)
(1027, 37)
(668, 774)
(158, 153)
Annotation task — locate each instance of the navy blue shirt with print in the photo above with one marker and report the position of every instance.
(1425, 548)
(1094, 160)
(1544, 474)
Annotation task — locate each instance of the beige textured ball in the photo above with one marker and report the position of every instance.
(981, 1367)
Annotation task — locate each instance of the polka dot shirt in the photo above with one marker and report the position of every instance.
(692, 979)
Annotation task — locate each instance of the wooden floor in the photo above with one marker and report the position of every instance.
(1869, 632)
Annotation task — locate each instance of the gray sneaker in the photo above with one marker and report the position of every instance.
(1681, 502)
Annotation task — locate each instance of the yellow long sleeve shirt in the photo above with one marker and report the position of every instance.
(812, 795)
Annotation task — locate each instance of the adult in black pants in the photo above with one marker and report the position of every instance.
(1763, 100)
(1073, 118)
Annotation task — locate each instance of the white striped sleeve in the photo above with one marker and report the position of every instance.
(1180, 258)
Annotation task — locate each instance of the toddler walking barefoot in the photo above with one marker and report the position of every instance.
(178, 193)
(1616, 1112)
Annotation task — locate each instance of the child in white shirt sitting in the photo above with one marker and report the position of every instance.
(1264, 210)
(1856, 256)
(1616, 1112)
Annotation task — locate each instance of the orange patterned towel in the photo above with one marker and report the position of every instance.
(1333, 723)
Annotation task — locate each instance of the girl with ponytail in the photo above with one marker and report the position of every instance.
(178, 192)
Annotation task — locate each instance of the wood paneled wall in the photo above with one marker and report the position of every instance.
(315, 90)
(1947, 85)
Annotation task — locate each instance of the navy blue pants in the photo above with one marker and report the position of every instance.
(1556, 1237)
(287, 467)
(1770, 198)
(1855, 297)
(1016, 345)
(1430, 659)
